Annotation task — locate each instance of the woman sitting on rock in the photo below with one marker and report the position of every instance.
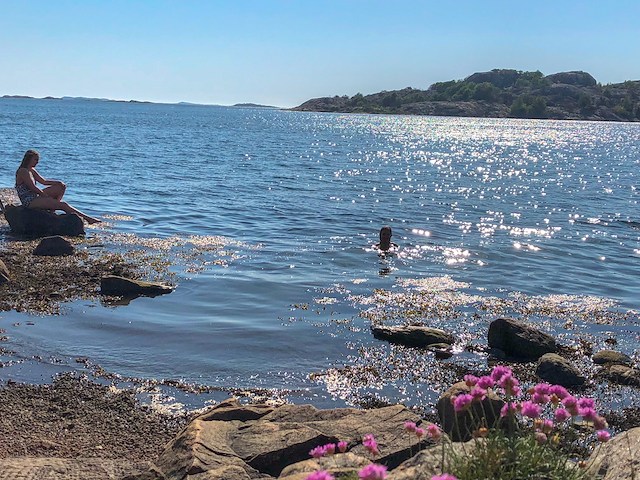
(49, 198)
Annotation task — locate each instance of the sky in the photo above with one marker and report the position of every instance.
(284, 52)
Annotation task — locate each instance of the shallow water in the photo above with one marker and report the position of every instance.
(525, 212)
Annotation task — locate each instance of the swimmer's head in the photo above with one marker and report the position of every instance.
(385, 233)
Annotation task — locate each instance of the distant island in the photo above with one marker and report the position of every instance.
(500, 93)
(253, 105)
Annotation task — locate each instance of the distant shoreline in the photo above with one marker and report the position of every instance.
(500, 93)
(93, 99)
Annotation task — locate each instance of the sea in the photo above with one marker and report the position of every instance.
(267, 218)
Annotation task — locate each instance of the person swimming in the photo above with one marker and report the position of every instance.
(385, 244)
(49, 198)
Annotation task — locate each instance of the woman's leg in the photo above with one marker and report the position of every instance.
(55, 191)
(48, 203)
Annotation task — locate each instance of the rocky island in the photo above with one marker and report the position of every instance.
(500, 93)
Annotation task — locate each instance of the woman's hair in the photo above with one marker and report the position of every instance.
(28, 156)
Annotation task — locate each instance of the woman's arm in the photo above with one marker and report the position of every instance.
(44, 181)
(24, 177)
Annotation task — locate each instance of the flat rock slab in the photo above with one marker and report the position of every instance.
(412, 335)
(38, 468)
(259, 441)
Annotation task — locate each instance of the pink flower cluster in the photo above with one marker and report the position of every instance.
(444, 476)
(370, 472)
(556, 398)
(432, 430)
(328, 449)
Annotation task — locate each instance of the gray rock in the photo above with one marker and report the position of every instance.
(611, 357)
(41, 223)
(519, 340)
(5, 276)
(461, 425)
(623, 375)
(412, 335)
(557, 370)
(429, 462)
(618, 459)
(115, 285)
(267, 440)
(54, 247)
(339, 464)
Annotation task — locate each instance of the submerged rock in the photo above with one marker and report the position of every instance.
(605, 357)
(558, 370)
(39, 223)
(519, 340)
(54, 247)
(115, 285)
(412, 335)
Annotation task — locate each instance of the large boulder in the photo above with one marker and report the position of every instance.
(412, 335)
(460, 426)
(54, 247)
(42, 223)
(431, 461)
(558, 370)
(127, 287)
(501, 78)
(519, 340)
(579, 78)
(618, 459)
(261, 441)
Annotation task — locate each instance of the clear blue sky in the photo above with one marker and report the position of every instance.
(282, 53)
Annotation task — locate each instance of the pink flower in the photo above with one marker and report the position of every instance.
(330, 448)
(434, 431)
(373, 472)
(547, 426)
(589, 414)
(599, 423)
(318, 452)
(510, 385)
(420, 432)
(500, 371)
(571, 404)
(540, 437)
(320, 475)
(530, 409)
(462, 402)
(542, 388)
(559, 391)
(444, 476)
(342, 446)
(485, 382)
(370, 444)
(478, 393)
(603, 435)
(561, 415)
(507, 408)
(540, 398)
(470, 380)
(586, 403)
(410, 426)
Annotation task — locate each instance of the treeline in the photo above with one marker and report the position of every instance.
(501, 93)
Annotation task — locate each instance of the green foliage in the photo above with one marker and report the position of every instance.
(486, 91)
(531, 80)
(501, 457)
(529, 106)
